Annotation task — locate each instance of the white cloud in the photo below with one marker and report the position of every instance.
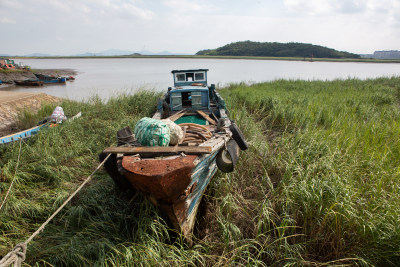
(185, 6)
(14, 4)
(307, 7)
(190, 25)
(100, 9)
(5, 20)
(324, 7)
(128, 9)
(334, 7)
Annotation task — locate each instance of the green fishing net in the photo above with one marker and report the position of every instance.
(152, 132)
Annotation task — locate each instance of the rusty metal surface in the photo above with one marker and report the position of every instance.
(159, 150)
(163, 179)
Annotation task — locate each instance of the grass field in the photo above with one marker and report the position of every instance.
(318, 186)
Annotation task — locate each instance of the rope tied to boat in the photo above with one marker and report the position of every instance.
(15, 256)
(18, 254)
(15, 175)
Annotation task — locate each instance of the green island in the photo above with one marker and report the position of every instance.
(319, 184)
(266, 49)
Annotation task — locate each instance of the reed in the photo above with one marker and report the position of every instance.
(333, 155)
(318, 185)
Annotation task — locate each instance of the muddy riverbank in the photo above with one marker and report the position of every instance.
(8, 77)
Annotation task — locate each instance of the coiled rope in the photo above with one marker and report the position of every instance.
(195, 133)
(18, 254)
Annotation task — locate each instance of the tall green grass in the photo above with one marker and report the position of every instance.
(334, 156)
(319, 184)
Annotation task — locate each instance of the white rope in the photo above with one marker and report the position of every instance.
(17, 255)
(15, 175)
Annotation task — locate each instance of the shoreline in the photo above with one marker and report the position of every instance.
(12, 103)
(339, 60)
(8, 77)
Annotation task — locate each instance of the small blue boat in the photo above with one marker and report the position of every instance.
(32, 131)
(50, 79)
(22, 135)
(175, 177)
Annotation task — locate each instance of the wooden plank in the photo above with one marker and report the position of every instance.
(78, 115)
(157, 115)
(177, 115)
(205, 116)
(194, 150)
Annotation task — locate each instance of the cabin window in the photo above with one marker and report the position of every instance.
(199, 76)
(190, 77)
(180, 77)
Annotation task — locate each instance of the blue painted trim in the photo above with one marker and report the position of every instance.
(22, 135)
(57, 80)
(201, 174)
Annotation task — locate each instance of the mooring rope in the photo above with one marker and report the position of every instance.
(15, 175)
(17, 255)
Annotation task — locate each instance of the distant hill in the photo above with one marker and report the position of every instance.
(257, 49)
(118, 52)
(109, 52)
(38, 55)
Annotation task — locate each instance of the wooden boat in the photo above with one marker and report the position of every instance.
(29, 82)
(174, 178)
(22, 135)
(32, 131)
(50, 79)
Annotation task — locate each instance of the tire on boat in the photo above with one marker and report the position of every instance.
(238, 136)
(112, 169)
(227, 158)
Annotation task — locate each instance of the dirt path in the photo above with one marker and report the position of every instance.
(9, 96)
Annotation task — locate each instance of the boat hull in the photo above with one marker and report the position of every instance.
(58, 80)
(22, 135)
(29, 83)
(163, 179)
(175, 185)
(29, 132)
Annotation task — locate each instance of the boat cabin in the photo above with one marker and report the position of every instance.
(190, 77)
(190, 90)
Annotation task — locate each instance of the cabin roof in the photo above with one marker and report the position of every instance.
(189, 88)
(191, 70)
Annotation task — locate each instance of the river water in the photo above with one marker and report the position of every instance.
(110, 76)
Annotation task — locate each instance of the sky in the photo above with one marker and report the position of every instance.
(66, 27)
